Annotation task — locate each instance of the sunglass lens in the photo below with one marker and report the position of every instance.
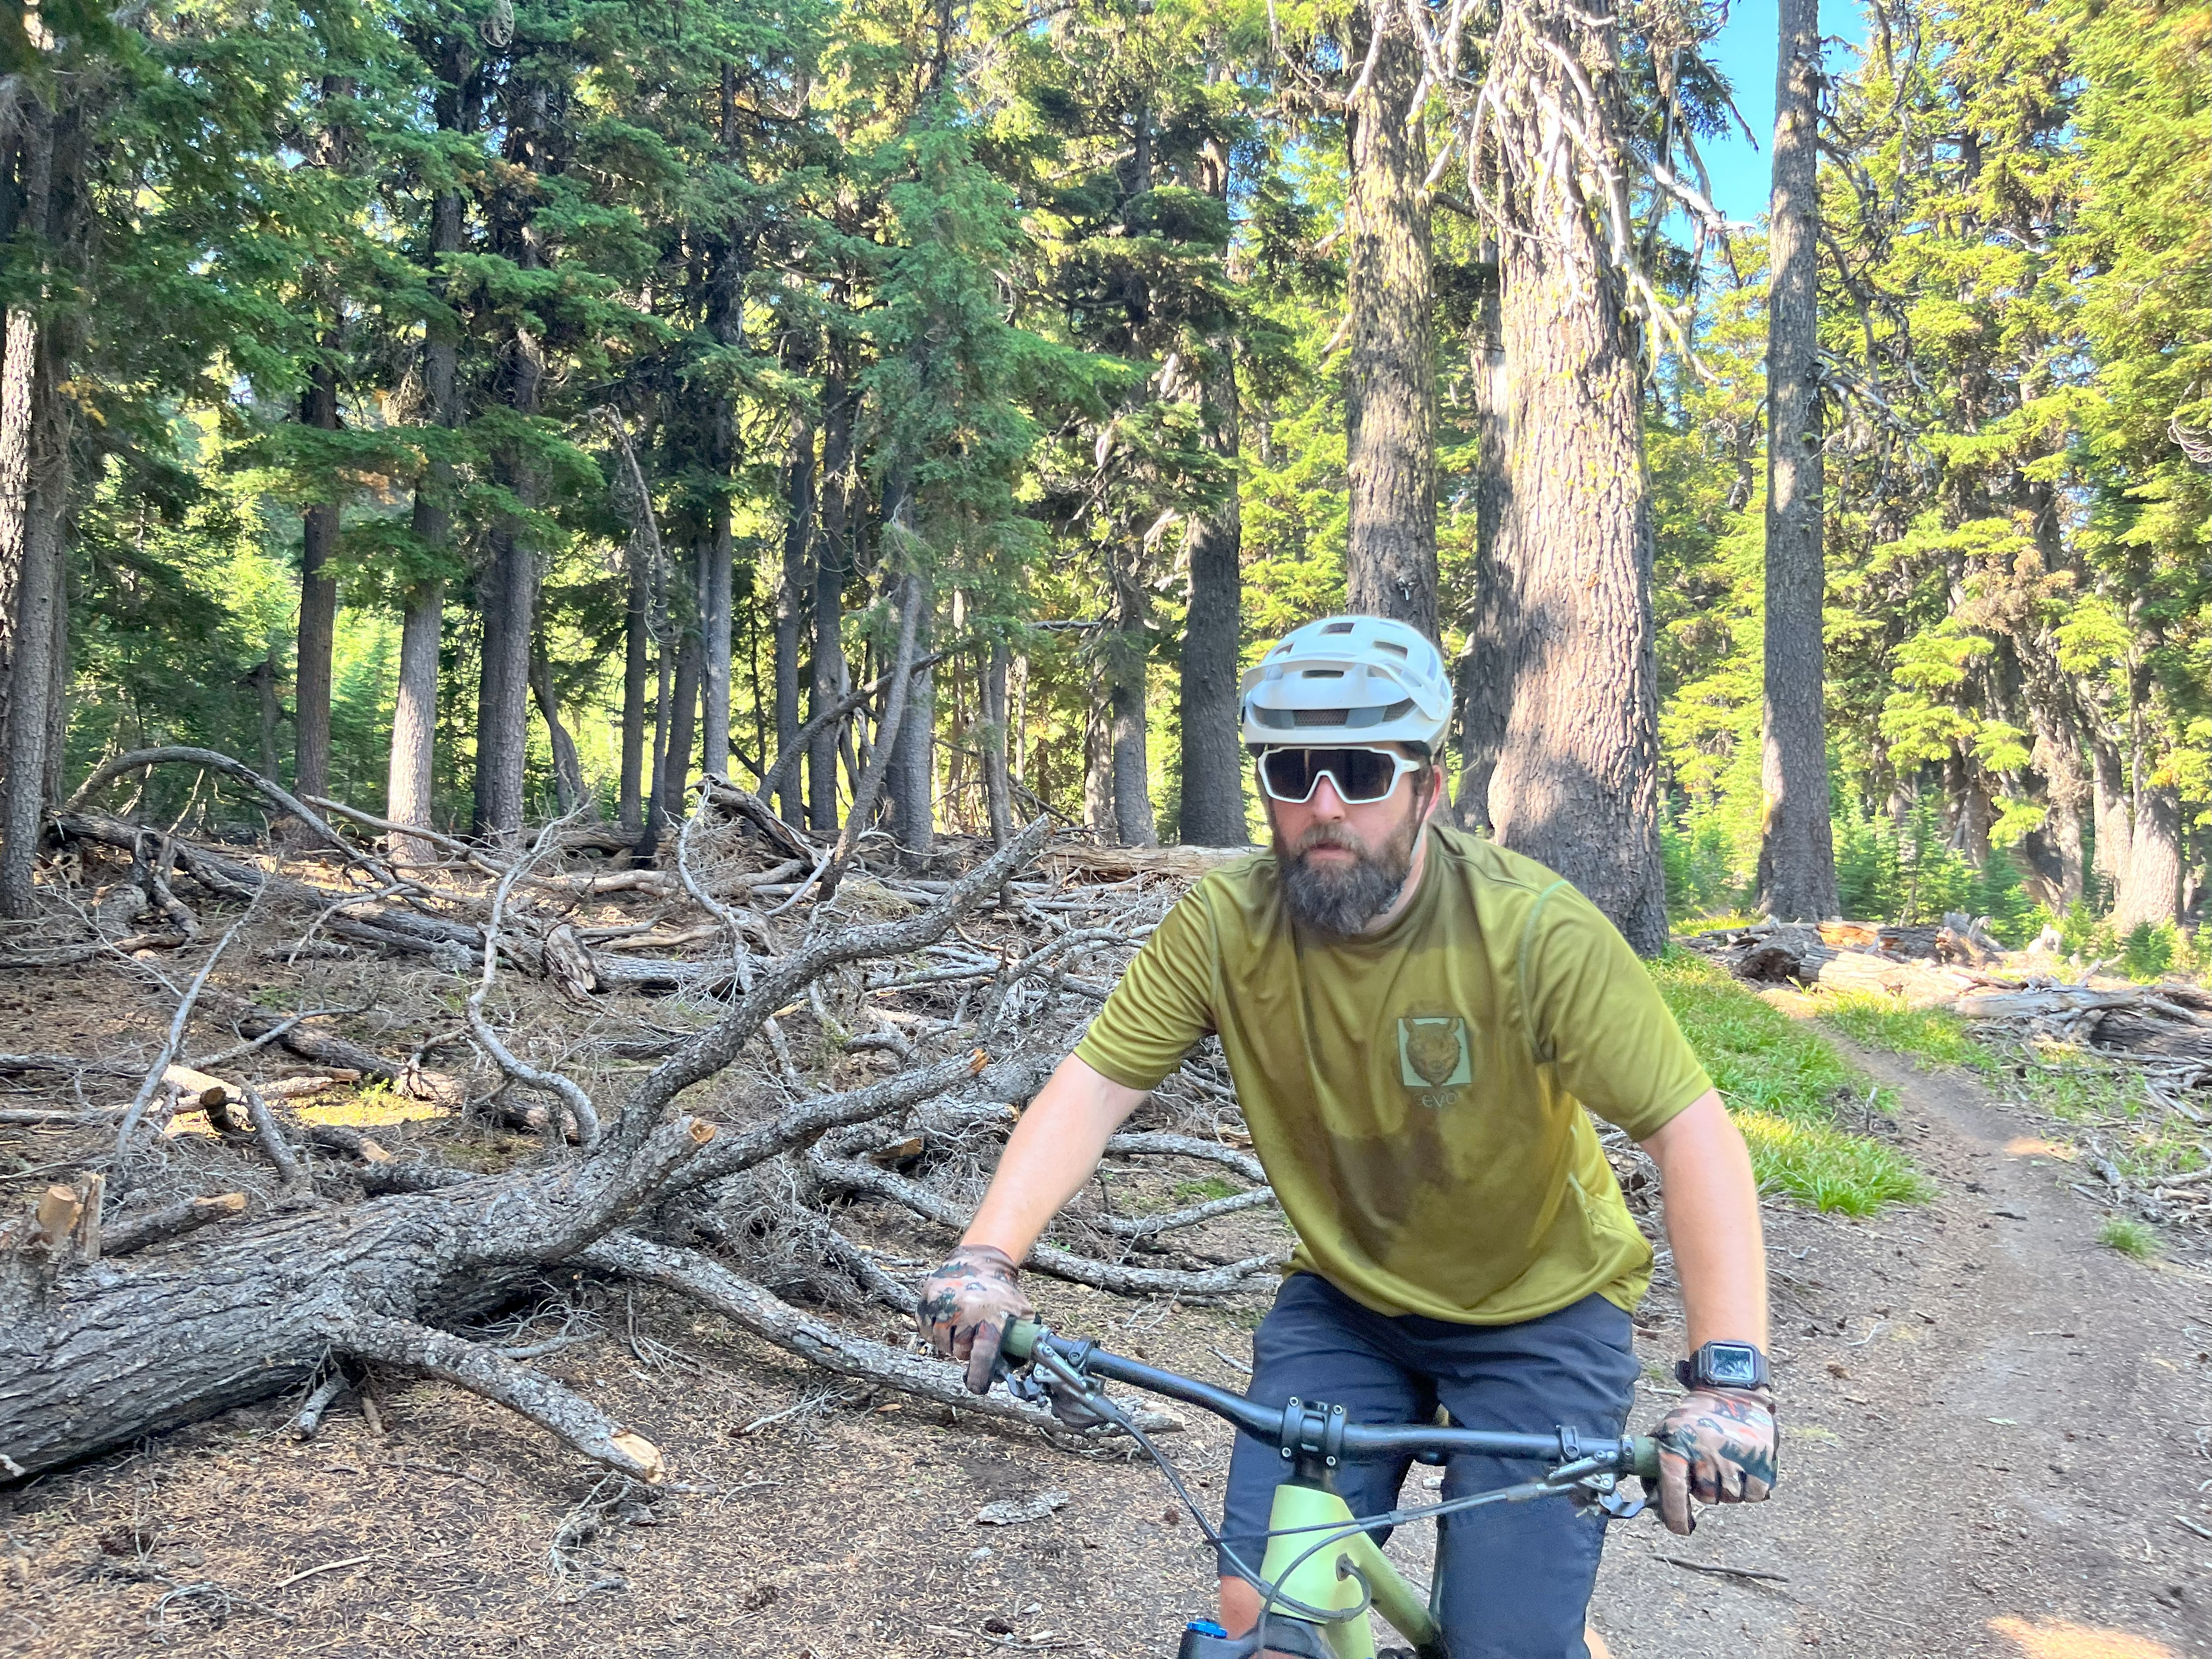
(1362, 774)
(1359, 775)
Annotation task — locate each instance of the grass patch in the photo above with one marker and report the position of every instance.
(2131, 1238)
(1931, 1034)
(1784, 1086)
(1206, 1191)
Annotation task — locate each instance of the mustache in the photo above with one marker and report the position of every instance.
(1328, 835)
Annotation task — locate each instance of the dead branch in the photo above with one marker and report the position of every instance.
(844, 1175)
(1169, 1146)
(108, 771)
(753, 1308)
(566, 1414)
(170, 1045)
(139, 1232)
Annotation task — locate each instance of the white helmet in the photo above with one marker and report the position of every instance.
(1348, 679)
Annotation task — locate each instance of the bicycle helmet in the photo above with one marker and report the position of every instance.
(1348, 680)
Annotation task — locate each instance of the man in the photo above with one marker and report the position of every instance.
(1415, 1020)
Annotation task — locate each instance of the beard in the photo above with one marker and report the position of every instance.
(1342, 899)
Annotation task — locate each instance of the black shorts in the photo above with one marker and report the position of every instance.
(1518, 1576)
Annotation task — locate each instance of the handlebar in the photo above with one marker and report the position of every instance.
(1352, 1442)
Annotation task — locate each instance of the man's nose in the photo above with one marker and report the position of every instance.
(1325, 802)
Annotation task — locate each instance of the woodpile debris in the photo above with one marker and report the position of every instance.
(779, 1105)
(2021, 1004)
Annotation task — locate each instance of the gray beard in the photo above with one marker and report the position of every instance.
(1341, 901)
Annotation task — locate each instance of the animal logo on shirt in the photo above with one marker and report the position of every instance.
(1433, 1055)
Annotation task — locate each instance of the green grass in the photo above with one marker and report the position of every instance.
(1786, 1088)
(1204, 1191)
(2129, 1238)
(2072, 1086)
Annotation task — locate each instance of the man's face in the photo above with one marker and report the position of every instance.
(1342, 865)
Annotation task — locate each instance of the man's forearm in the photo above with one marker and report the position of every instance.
(1050, 1154)
(1711, 1202)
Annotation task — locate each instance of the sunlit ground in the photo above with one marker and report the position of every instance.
(2056, 1639)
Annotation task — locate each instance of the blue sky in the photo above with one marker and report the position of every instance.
(1745, 51)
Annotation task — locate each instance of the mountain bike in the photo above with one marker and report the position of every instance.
(1323, 1572)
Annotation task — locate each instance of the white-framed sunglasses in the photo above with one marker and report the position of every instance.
(1359, 776)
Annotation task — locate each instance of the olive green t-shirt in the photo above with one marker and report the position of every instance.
(1416, 1095)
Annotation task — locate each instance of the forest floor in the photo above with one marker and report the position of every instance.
(1997, 1442)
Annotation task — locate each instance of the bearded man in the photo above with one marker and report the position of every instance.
(1415, 1020)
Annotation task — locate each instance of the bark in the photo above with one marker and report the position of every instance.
(1213, 813)
(1128, 650)
(2150, 891)
(410, 783)
(913, 778)
(319, 606)
(1390, 387)
(1796, 876)
(1098, 764)
(882, 751)
(791, 602)
(569, 785)
(1576, 782)
(673, 790)
(832, 566)
(411, 778)
(34, 487)
(1484, 688)
(2115, 825)
(998, 792)
(637, 649)
(715, 619)
(508, 597)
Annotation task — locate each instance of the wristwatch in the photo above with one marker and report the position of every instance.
(1724, 1365)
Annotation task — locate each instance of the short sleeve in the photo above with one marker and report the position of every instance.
(1163, 1004)
(1593, 1012)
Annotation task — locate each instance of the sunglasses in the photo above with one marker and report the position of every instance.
(1359, 776)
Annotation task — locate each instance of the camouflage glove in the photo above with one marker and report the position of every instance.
(1717, 1446)
(965, 1307)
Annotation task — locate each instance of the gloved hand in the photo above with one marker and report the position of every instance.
(1717, 1446)
(966, 1305)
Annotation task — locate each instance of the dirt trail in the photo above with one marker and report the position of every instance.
(1992, 1423)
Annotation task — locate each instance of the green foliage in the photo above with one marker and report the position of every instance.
(1786, 1088)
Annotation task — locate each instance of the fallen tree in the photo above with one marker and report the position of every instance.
(358, 1257)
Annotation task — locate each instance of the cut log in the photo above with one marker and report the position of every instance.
(200, 1089)
(2130, 1032)
(1918, 987)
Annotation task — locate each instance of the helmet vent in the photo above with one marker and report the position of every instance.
(1319, 716)
(1344, 628)
(1397, 650)
(1322, 674)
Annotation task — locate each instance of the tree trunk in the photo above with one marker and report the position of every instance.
(673, 798)
(35, 489)
(1098, 763)
(2115, 823)
(569, 786)
(998, 791)
(1486, 690)
(831, 566)
(2150, 892)
(411, 778)
(269, 710)
(790, 603)
(1127, 648)
(508, 597)
(637, 645)
(1213, 813)
(1576, 783)
(913, 777)
(1796, 879)
(318, 607)
(1390, 385)
(716, 621)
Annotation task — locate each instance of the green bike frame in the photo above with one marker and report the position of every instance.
(1331, 1576)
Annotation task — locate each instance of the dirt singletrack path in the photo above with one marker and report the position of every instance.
(1993, 1431)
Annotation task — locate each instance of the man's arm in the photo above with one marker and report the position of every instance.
(1712, 1223)
(1716, 1444)
(1050, 1154)
(967, 1303)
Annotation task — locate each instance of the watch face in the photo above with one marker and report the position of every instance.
(1732, 1365)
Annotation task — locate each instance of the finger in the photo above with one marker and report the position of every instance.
(1754, 1489)
(983, 1354)
(1727, 1478)
(1675, 1493)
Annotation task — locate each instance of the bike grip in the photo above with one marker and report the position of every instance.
(1646, 1464)
(1018, 1340)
